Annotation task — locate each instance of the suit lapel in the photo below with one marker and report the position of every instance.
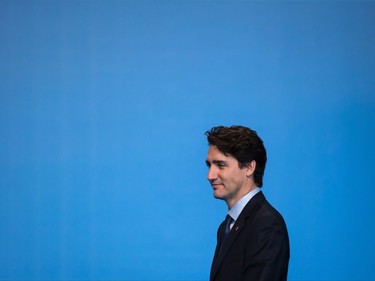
(233, 234)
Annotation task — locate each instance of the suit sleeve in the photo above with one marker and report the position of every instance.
(267, 253)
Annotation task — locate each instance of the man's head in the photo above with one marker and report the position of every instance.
(243, 144)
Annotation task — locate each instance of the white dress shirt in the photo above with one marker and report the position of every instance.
(236, 210)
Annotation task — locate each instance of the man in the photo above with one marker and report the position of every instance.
(252, 243)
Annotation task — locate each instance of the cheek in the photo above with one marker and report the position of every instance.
(237, 178)
(222, 175)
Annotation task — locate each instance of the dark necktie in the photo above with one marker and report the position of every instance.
(226, 229)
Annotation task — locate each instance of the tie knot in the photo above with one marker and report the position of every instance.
(225, 229)
(228, 222)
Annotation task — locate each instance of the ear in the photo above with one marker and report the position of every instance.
(250, 168)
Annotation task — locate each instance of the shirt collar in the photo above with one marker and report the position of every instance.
(236, 210)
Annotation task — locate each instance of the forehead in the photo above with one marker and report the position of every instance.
(214, 154)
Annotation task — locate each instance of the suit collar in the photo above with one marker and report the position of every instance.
(236, 210)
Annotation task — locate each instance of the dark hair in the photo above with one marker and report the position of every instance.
(243, 144)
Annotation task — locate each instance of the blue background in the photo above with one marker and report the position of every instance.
(103, 110)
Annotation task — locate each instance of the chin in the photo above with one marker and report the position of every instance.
(218, 196)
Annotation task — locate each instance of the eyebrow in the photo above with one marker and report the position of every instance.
(216, 162)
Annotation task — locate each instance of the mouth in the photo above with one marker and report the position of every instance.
(215, 185)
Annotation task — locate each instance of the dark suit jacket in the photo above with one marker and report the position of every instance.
(257, 247)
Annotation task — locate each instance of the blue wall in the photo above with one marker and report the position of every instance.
(103, 110)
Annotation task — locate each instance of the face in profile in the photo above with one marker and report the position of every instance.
(228, 180)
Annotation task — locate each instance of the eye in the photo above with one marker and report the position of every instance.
(220, 165)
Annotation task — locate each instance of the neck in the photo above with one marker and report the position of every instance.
(232, 201)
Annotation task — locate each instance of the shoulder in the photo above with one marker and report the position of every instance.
(266, 210)
(265, 226)
(261, 214)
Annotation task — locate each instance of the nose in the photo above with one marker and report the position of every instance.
(212, 174)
